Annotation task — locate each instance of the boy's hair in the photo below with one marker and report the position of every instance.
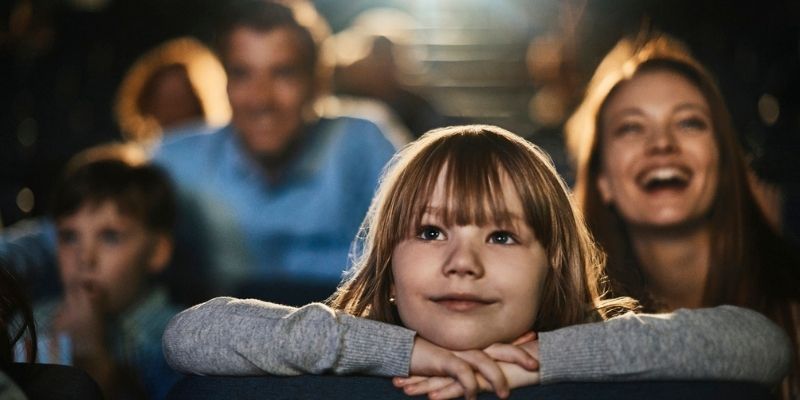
(474, 159)
(116, 173)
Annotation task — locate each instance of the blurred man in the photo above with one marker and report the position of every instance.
(273, 201)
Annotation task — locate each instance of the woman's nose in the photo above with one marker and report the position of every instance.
(662, 140)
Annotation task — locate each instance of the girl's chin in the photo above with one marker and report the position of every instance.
(462, 342)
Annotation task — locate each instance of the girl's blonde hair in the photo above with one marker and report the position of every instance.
(474, 159)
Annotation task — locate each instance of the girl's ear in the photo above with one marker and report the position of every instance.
(160, 253)
(604, 187)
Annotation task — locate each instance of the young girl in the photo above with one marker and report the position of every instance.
(471, 242)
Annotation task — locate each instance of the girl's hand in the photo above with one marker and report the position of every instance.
(428, 359)
(517, 363)
(529, 336)
(433, 385)
(447, 388)
(439, 387)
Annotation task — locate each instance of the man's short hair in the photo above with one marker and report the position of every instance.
(140, 191)
(264, 16)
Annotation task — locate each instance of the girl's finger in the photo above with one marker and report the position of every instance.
(401, 381)
(525, 338)
(512, 354)
(452, 391)
(460, 370)
(487, 367)
(428, 385)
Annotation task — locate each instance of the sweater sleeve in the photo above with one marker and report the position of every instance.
(227, 336)
(722, 343)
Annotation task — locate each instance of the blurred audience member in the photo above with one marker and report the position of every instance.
(551, 63)
(369, 63)
(271, 203)
(375, 111)
(114, 220)
(178, 85)
(16, 329)
(24, 380)
(28, 247)
(664, 186)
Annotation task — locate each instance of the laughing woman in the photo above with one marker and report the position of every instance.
(663, 184)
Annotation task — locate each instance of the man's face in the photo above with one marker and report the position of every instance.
(270, 84)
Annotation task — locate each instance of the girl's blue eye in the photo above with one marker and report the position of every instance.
(502, 237)
(430, 233)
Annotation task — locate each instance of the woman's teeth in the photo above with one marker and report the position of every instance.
(664, 178)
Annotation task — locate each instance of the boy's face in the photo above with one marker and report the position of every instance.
(108, 255)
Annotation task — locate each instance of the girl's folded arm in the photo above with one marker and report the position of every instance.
(721, 343)
(227, 336)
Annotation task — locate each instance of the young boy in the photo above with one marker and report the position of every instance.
(114, 217)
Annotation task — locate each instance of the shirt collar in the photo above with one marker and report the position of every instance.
(304, 164)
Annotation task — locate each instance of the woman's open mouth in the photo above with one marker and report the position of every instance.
(666, 178)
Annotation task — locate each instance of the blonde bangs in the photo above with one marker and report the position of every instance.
(472, 173)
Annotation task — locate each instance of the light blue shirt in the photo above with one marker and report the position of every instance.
(298, 229)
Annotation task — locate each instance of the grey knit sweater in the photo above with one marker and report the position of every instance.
(227, 336)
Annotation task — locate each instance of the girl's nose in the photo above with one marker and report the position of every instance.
(464, 261)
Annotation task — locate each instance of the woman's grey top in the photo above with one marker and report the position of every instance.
(227, 336)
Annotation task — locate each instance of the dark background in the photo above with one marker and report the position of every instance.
(61, 61)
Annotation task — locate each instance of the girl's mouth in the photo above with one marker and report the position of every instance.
(462, 302)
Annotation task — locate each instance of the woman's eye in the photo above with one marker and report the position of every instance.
(693, 123)
(628, 128)
(502, 237)
(430, 233)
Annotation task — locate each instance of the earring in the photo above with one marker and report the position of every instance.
(391, 300)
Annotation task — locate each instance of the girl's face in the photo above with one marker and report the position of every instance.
(466, 287)
(660, 160)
